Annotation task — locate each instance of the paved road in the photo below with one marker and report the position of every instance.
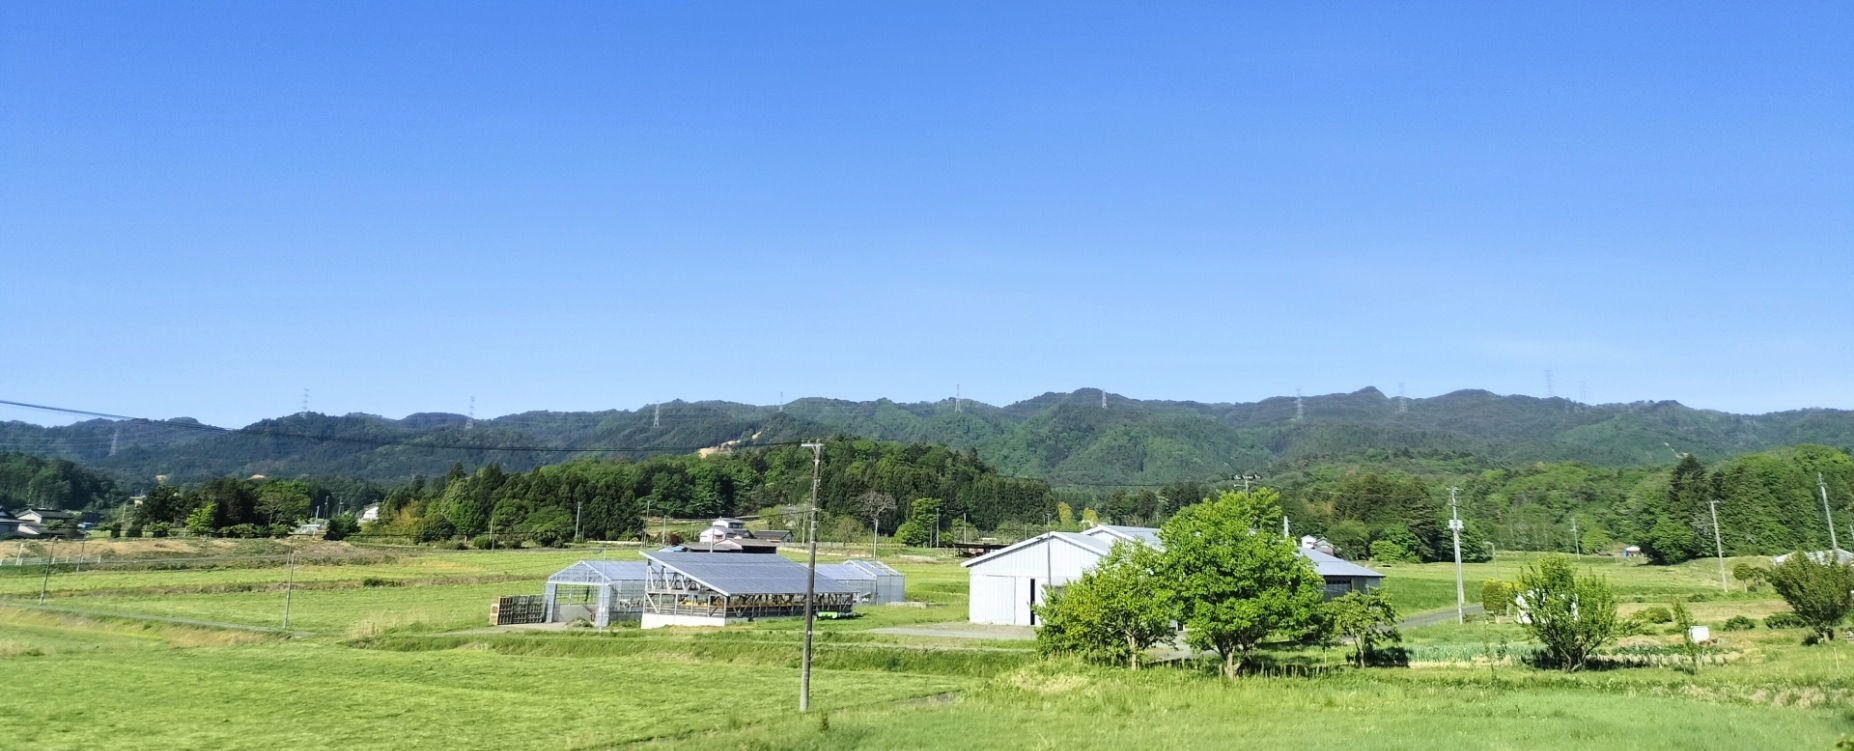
(1439, 616)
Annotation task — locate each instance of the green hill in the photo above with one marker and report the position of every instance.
(1067, 438)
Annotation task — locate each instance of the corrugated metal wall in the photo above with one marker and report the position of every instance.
(1001, 588)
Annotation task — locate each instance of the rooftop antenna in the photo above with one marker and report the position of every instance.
(470, 419)
(1403, 405)
(1300, 411)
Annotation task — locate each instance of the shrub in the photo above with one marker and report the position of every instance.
(341, 527)
(1385, 551)
(1777, 621)
(1817, 591)
(1497, 596)
(159, 529)
(483, 542)
(1738, 623)
(135, 530)
(1656, 614)
(1571, 615)
(1113, 614)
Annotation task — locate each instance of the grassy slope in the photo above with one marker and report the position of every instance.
(103, 684)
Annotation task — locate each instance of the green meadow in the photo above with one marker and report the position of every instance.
(397, 655)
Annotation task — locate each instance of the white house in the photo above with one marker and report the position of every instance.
(1006, 583)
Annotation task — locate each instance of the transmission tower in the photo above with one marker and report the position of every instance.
(1403, 405)
(470, 419)
(959, 400)
(1300, 410)
(1103, 398)
(656, 415)
(305, 401)
(112, 441)
(782, 401)
(1548, 393)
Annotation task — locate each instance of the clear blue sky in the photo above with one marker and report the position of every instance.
(205, 209)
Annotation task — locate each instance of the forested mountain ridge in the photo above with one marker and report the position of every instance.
(1067, 438)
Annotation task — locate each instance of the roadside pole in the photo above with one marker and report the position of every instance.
(1454, 528)
(288, 588)
(811, 580)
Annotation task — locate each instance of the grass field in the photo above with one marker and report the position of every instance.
(397, 658)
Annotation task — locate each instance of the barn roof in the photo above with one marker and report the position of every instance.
(1147, 535)
(1094, 545)
(745, 574)
(1329, 565)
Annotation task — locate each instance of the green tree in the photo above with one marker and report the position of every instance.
(199, 522)
(1367, 618)
(283, 501)
(1817, 590)
(918, 529)
(1113, 613)
(1233, 584)
(341, 527)
(1571, 615)
(1387, 551)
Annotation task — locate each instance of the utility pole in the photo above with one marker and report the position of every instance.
(1577, 543)
(45, 581)
(288, 588)
(1833, 546)
(811, 579)
(1454, 528)
(1718, 542)
(579, 508)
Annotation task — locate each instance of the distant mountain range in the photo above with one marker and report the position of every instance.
(1067, 438)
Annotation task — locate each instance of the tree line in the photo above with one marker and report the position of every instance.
(608, 498)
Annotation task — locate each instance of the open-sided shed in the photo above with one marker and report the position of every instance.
(702, 589)
(598, 591)
(874, 581)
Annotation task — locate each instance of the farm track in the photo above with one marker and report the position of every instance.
(300, 586)
(157, 618)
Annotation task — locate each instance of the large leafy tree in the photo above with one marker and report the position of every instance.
(1113, 613)
(1816, 588)
(1234, 581)
(1571, 615)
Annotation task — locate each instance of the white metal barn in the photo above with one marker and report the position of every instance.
(1005, 583)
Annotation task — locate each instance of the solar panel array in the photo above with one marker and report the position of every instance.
(745, 574)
